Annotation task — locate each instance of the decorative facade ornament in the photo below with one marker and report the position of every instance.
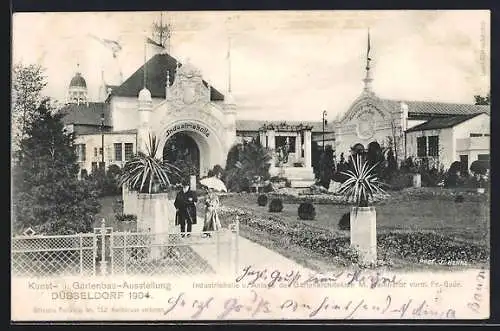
(366, 125)
(284, 127)
(188, 88)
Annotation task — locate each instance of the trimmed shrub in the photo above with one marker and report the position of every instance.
(306, 211)
(276, 205)
(345, 222)
(126, 217)
(478, 167)
(400, 180)
(262, 200)
(432, 177)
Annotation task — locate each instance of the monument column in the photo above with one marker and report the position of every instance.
(307, 148)
(298, 147)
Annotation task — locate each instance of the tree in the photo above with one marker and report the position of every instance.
(316, 153)
(27, 85)
(245, 162)
(375, 157)
(392, 165)
(47, 195)
(480, 100)
(326, 167)
(107, 183)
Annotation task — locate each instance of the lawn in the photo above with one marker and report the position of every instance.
(468, 220)
(463, 223)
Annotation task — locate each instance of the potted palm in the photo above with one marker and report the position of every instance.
(145, 173)
(360, 186)
(149, 187)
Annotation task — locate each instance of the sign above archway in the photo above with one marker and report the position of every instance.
(189, 126)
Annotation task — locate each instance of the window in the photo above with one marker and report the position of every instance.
(129, 151)
(421, 146)
(118, 152)
(100, 150)
(95, 151)
(80, 152)
(434, 146)
(483, 157)
(472, 135)
(94, 166)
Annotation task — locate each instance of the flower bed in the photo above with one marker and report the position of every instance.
(414, 247)
(431, 193)
(421, 246)
(327, 199)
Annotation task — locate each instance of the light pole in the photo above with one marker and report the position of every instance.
(324, 122)
(102, 141)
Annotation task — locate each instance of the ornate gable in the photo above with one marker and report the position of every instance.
(188, 88)
(366, 106)
(365, 117)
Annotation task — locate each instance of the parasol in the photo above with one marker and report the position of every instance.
(214, 183)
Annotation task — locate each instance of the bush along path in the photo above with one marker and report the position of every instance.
(405, 249)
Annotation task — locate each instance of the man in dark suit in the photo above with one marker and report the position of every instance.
(185, 203)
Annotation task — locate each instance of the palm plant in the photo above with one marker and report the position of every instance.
(252, 160)
(362, 182)
(145, 170)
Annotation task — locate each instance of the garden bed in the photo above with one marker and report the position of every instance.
(396, 248)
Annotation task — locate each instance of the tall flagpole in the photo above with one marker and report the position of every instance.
(145, 67)
(229, 64)
(368, 78)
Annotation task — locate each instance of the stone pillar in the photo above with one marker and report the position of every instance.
(307, 149)
(364, 232)
(271, 136)
(298, 147)
(262, 138)
(271, 144)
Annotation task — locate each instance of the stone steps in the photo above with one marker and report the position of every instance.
(301, 183)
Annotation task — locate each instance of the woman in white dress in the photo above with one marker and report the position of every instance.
(212, 222)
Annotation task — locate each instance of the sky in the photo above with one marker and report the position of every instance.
(284, 64)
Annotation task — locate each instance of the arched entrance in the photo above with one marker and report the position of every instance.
(204, 144)
(182, 151)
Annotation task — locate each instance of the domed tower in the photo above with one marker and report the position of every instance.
(77, 91)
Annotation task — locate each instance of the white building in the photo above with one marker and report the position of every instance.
(464, 138)
(463, 129)
(189, 117)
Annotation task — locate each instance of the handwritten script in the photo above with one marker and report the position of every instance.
(294, 278)
(258, 306)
